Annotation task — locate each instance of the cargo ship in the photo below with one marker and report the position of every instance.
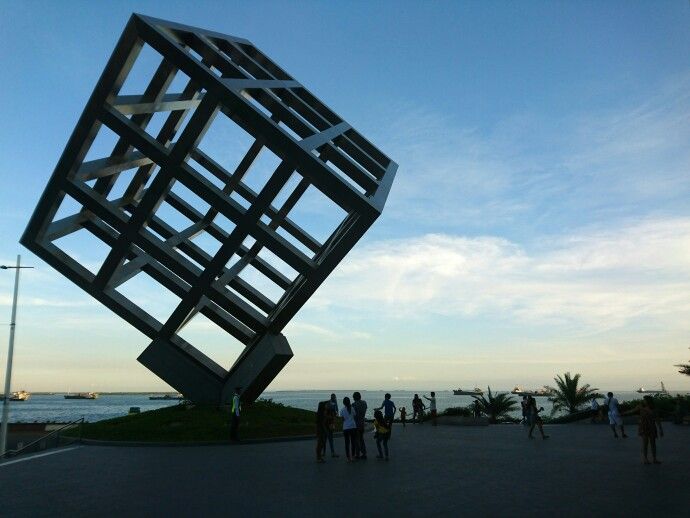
(82, 395)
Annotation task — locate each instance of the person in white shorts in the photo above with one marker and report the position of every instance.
(615, 418)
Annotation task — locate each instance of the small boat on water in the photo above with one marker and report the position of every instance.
(167, 397)
(21, 395)
(643, 390)
(542, 392)
(82, 395)
(476, 392)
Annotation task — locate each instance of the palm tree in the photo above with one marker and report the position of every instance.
(496, 406)
(568, 396)
(684, 368)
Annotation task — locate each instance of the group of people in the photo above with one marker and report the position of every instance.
(353, 414)
(418, 408)
(649, 424)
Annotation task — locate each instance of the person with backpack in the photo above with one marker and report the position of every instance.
(348, 414)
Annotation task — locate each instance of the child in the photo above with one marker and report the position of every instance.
(383, 433)
(403, 415)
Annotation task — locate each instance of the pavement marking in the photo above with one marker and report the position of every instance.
(39, 455)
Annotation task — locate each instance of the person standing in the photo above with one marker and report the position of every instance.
(360, 407)
(432, 407)
(647, 430)
(348, 414)
(524, 405)
(235, 415)
(416, 407)
(403, 416)
(321, 431)
(383, 433)
(476, 409)
(615, 418)
(389, 409)
(331, 414)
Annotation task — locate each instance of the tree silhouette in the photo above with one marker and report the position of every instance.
(568, 396)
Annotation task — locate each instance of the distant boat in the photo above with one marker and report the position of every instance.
(21, 395)
(82, 395)
(476, 392)
(643, 390)
(167, 397)
(542, 392)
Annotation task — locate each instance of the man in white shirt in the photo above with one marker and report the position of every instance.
(432, 407)
(615, 418)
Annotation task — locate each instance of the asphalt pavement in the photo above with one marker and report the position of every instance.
(581, 470)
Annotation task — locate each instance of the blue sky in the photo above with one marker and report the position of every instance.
(539, 222)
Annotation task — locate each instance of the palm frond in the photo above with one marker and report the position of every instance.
(567, 395)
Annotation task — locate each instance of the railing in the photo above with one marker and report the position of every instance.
(41, 442)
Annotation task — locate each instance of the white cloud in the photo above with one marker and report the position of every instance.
(596, 279)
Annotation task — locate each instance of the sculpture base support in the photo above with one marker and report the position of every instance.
(203, 381)
(255, 370)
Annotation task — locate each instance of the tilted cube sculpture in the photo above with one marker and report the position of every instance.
(315, 149)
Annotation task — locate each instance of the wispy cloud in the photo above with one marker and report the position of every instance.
(598, 279)
(540, 168)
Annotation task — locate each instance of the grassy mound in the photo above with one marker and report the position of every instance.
(192, 423)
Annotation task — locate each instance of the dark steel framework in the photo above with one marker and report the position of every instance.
(316, 148)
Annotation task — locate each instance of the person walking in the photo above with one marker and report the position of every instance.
(321, 433)
(647, 428)
(432, 407)
(403, 416)
(348, 414)
(535, 418)
(360, 407)
(615, 418)
(331, 415)
(382, 435)
(389, 409)
(235, 415)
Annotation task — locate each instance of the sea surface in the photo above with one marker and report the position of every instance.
(55, 408)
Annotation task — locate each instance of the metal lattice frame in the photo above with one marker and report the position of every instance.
(231, 76)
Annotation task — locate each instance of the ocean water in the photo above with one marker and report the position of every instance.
(55, 408)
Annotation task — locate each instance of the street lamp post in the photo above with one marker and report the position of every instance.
(10, 352)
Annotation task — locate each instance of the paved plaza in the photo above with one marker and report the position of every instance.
(489, 471)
